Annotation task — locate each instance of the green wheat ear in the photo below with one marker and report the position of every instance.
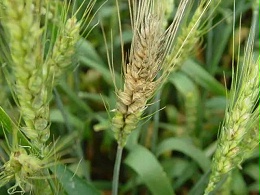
(36, 68)
(239, 134)
(189, 37)
(33, 68)
(236, 139)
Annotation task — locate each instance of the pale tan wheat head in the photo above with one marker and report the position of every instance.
(141, 70)
(150, 44)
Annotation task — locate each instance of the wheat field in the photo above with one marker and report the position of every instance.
(129, 97)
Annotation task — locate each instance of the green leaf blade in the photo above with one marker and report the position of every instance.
(184, 147)
(144, 163)
(5, 120)
(203, 78)
(72, 184)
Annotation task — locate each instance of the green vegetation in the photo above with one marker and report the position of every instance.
(129, 97)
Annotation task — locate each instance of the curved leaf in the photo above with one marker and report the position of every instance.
(184, 147)
(6, 124)
(204, 78)
(5, 120)
(145, 164)
(90, 58)
(72, 184)
(182, 82)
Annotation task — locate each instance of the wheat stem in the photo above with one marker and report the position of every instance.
(156, 120)
(117, 170)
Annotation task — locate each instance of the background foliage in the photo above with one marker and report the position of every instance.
(192, 107)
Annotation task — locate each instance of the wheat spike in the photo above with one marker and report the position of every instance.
(150, 44)
(240, 115)
(34, 74)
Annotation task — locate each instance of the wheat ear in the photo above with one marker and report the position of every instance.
(23, 29)
(240, 115)
(36, 68)
(150, 45)
(35, 76)
(63, 50)
(241, 123)
(189, 37)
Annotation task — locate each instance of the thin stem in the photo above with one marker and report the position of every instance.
(209, 45)
(156, 119)
(255, 7)
(117, 170)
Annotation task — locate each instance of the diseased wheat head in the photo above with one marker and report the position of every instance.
(150, 46)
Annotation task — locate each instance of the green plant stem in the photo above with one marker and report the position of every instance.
(156, 119)
(255, 7)
(117, 170)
